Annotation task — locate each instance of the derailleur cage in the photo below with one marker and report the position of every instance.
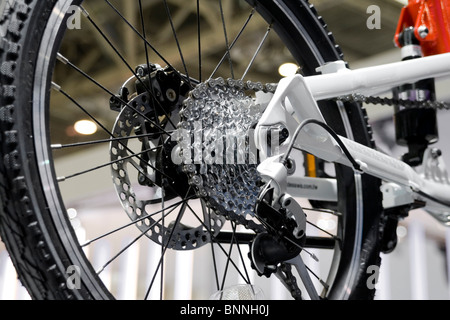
(285, 235)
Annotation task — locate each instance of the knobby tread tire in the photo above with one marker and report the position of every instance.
(40, 262)
(20, 230)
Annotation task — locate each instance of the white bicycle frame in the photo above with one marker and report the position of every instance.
(295, 100)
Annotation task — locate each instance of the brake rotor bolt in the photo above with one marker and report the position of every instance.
(171, 95)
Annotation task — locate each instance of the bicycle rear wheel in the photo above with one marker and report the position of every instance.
(60, 61)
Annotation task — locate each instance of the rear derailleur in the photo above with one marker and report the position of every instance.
(278, 248)
(284, 238)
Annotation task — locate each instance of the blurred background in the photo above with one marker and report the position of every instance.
(419, 266)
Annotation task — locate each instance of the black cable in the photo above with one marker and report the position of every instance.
(426, 195)
(352, 160)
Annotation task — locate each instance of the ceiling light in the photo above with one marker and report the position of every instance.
(85, 127)
(72, 213)
(288, 69)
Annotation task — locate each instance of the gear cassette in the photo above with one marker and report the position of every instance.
(216, 146)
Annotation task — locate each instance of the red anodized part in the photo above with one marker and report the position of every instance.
(431, 22)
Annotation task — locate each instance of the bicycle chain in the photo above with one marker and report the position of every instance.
(290, 280)
(359, 98)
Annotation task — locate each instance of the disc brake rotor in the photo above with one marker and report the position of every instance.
(148, 183)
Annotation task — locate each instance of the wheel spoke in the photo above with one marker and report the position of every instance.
(152, 189)
(328, 211)
(147, 54)
(143, 34)
(169, 15)
(133, 223)
(179, 216)
(137, 155)
(183, 78)
(58, 88)
(125, 62)
(94, 142)
(129, 245)
(163, 251)
(241, 257)
(225, 33)
(228, 255)
(322, 282)
(199, 40)
(65, 178)
(263, 40)
(323, 230)
(213, 255)
(232, 44)
(125, 103)
(219, 243)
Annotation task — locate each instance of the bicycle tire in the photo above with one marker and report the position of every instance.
(41, 253)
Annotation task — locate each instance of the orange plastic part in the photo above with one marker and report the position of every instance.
(431, 22)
